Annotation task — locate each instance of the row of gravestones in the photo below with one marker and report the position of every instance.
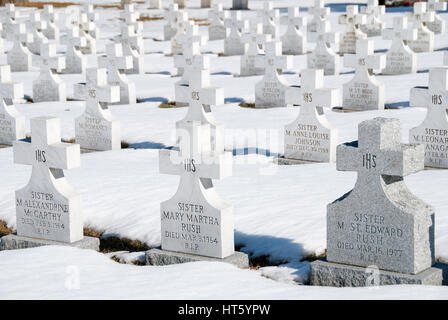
(236, 4)
(379, 225)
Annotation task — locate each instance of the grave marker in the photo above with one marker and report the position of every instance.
(48, 86)
(270, 92)
(438, 26)
(133, 46)
(379, 225)
(352, 19)
(48, 210)
(319, 11)
(169, 30)
(233, 43)
(75, 61)
(294, 40)
(364, 92)
(254, 55)
(425, 37)
(217, 29)
(374, 26)
(311, 137)
(19, 57)
(433, 131)
(96, 129)
(51, 31)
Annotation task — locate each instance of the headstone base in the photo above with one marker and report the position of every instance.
(158, 257)
(287, 162)
(13, 242)
(330, 274)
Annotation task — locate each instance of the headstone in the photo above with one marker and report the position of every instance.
(240, 4)
(270, 92)
(131, 17)
(116, 63)
(133, 46)
(254, 55)
(323, 57)
(75, 61)
(89, 30)
(425, 37)
(201, 95)
(374, 26)
(352, 19)
(93, 17)
(181, 3)
(216, 29)
(196, 223)
(319, 11)
(19, 57)
(96, 129)
(186, 32)
(270, 18)
(12, 123)
(294, 40)
(48, 210)
(169, 29)
(400, 59)
(155, 4)
(364, 92)
(48, 86)
(311, 137)
(187, 63)
(52, 30)
(438, 26)
(233, 43)
(35, 26)
(433, 132)
(379, 233)
(206, 3)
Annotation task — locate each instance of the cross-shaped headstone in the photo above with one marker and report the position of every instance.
(374, 26)
(433, 132)
(197, 166)
(310, 137)
(51, 31)
(190, 34)
(131, 16)
(75, 61)
(19, 57)
(380, 200)
(133, 46)
(35, 26)
(425, 37)
(201, 95)
(88, 29)
(400, 59)
(49, 13)
(319, 11)
(271, 90)
(294, 40)
(116, 64)
(270, 18)
(90, 11)
(364, 92)
(12, 123)
(61, 220)
(48, 86)
(352, 19)
(438, 26)
(235, 26)
(255, 40)
(169, 29)
(323, 57)
(96, 129)
(217, 30)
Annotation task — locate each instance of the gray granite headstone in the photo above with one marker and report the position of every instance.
(380, 225)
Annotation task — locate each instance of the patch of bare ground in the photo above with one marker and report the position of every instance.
(40, 5)
(149, 18)
(4, 230)
(247, 105)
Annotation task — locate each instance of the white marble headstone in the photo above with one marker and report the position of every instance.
(270, 18)
(48, 207)
(96, 129)
(19, 57)
(400, 59)
(75, 61)
(433, 132)
(133, 46)
(374, 26)
(49, 86)
(170, 28)
(217, 29)
(438, 26)
(235, 26)
(318, 11)
(294, 40)
(311, 137)
(364, 92)
(270, 92)
(254, 55)
(425, 37)
(353, 20)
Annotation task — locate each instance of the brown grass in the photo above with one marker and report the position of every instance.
(40, 5)
(112, 243)
(247, 105)
(168, 105)
(106, 6)
(147, 18)
(4, 230)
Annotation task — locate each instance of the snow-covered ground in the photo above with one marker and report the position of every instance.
(280, 211)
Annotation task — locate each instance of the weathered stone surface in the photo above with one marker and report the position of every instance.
(380, 222)
(324, 273)
(233, 43)
(294, 40)
(270, 18)
(425, 37)
(13, 242)
(374, 26)
(352, 33)
(217, 29)
(19, 57)
(254, 55)
(433, 131)
(157, 257)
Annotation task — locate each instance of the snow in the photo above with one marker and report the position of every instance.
(280, 211)
(70, 273)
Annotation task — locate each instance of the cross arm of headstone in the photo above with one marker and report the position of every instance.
(46, 137)
(202, 91)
